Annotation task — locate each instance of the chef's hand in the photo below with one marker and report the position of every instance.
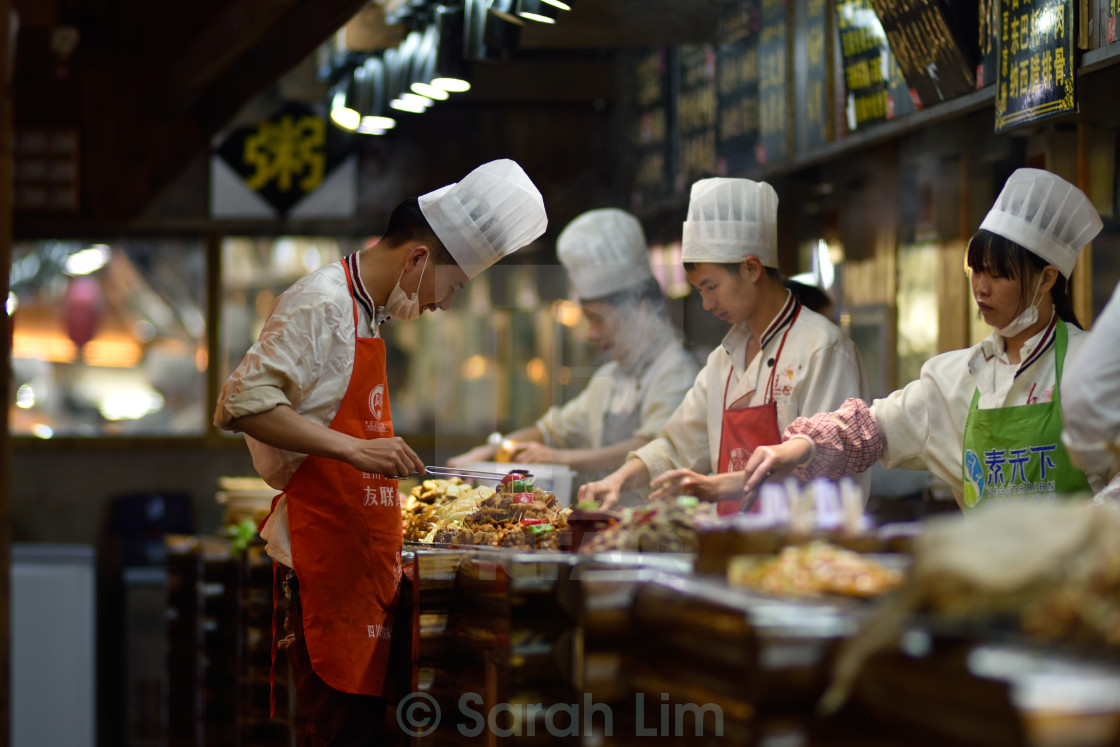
(391, 457)
(710, 488)
(605, 492)
(532, 452)
(484, 453)
(774, 463)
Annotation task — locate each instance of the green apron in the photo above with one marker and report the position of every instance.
(1016, 453)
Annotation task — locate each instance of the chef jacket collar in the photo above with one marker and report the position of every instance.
(739, 336)
(993, 347)
(376, 314)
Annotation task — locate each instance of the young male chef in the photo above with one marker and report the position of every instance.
(630, 397)
(312, 399)
(780, 360)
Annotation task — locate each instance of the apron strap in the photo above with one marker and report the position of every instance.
(778, 357)
(350, 285)
(272, 664)
(773, 369)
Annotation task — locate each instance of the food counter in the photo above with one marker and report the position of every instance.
(772, 629)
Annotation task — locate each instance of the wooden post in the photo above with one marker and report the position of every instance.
(1081, 284)
(7, 62)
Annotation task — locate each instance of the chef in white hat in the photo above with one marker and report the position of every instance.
(985, 420)
(631, 396)
(311, 397)
(778, 361)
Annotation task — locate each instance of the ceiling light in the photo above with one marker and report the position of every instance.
(380, 122)
(343, 114)
(493, 29)
(427, 89)
(450, 70)
(537, 10)
(416, 98)
(407, 106)
(87, 261)
(558, 4)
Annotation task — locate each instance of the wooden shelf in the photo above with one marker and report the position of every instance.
(879, 133)
(1100, 58)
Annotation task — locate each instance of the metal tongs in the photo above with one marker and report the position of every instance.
(473, 473)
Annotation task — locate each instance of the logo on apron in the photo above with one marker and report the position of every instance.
(738, 459)
(377, 401)
(974, 477)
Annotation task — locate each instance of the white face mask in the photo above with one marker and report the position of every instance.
(1025, 319)
(400, 305)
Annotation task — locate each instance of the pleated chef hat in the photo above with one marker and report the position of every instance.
(604, 251)
(1046, 215)
(729, 219)
(494, 211)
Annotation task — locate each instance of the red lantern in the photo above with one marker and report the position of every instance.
(82, 309)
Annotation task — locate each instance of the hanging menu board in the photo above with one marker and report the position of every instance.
(649, 137)
(1035, 61)
(773, 82)
(811, 73)
(737, 80)
(931, 54)
(875, 89)
(989, 43)
(696, 115)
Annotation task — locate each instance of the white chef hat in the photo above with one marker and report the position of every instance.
(604, 251)
(494, 211)
(1046, 215)
(729, 219)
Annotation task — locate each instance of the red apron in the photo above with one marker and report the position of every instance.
(347, 539)
(744, 429)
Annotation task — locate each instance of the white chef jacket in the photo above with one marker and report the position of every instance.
(1091, 394)
(654, 392)
(819, 368)
(923, 423)
(303, 358)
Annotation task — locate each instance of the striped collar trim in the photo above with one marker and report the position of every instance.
(1044, 344)
(783, 319)
(361, 295)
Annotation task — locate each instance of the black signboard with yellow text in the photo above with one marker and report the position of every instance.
(812, 75)
(1036, 75)
(286, 157)
(876, 91)
(697, 102)
(649, 141)
(773, 82)
(737, 81)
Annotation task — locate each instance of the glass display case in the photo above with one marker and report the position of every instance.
(109, 338)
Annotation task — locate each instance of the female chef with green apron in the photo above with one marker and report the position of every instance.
(985, 420)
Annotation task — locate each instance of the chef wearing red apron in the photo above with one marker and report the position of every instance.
(777, 361)
(747, 428)
(312, 398)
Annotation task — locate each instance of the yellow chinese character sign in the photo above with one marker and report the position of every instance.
(1035, 75)
(285, 157)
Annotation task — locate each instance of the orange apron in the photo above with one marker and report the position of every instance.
(347, 539)
(744, 429)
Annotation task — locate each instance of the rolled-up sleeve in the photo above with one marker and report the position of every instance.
(568, 426)
(1090, 395)
(683, 442)
(281, 365)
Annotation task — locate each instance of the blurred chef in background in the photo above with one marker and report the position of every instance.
(630, 397)
(1090, 397)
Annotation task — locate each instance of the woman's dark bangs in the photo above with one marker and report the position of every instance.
(992, 254)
